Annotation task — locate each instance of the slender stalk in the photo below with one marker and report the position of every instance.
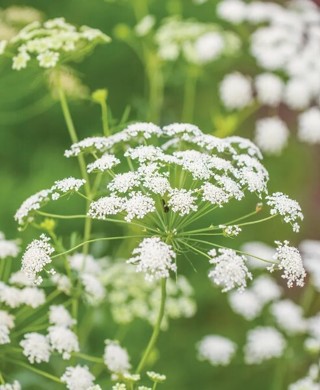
(89, 358)
(236, 250)
(36, 370)
(94, 240)
(156, 329)
(104, 115)
(189, 95)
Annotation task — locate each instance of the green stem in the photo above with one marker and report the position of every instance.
(236, 250)
(36, 370)
(73, 136)
(104, 115)
(89, 358)
(156, 329)
(94, 240)
(189, 95)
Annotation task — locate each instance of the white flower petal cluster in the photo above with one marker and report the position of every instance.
(154, 258)
(230, 270)
(269, 88)
(288, 259)
(15, 297)
(11, 386)
(78, 378)
(63, 340)
(310, 251)
(263, 343)
(52, 42)
(36, 347)
(8, 248)
(25, 213)
(65, 186)
(245, 303)
(271, 135)
(304, 384)
(309, 126)
(36, 257)
(59, 316)
(289, 316)
(116, 358)
(236, 91)
(217, 350)
(288, 208)
(130, 296)
(258, 250)
(195, 42)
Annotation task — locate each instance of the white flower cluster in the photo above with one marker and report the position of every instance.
(51, 42)
(217, 350)
(6, 324)
(11, 386)
(197, 43)
(14, 297)
(36, 257)
(116, 358)
(8, 248)
(212, 172)
(249, 303)
(285, 42)
(289, 260)
(310, 250)
(230, 270)
(88, 270)
(263, 343)
(154, 258)
(25, 213)
(289, 209)
(130, 296)
(78, 378)
(38, 347)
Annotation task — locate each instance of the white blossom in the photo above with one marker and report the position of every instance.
(36, 257)
(271, 135)
(138, 206)
(154, 258)
(11, 386)
(263, 343)
(8, 248)
(36, 347)
(289, 260)
(106, 162)
(230, 270)
(63, 340)
(245, 303)
(182, 201)
(309, 126)
(217, 350)
(59, 316)
(269, 89)
(236, 91)
(116, 358)
(288, 208)
(289, 316)
(78, 378)
(108, 205)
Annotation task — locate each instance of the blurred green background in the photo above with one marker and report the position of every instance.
(32, 158)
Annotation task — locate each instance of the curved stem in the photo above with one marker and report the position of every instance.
(156, 329)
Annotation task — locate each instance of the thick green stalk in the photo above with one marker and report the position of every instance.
(156, 329)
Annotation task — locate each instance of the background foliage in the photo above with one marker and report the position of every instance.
(32, 149)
